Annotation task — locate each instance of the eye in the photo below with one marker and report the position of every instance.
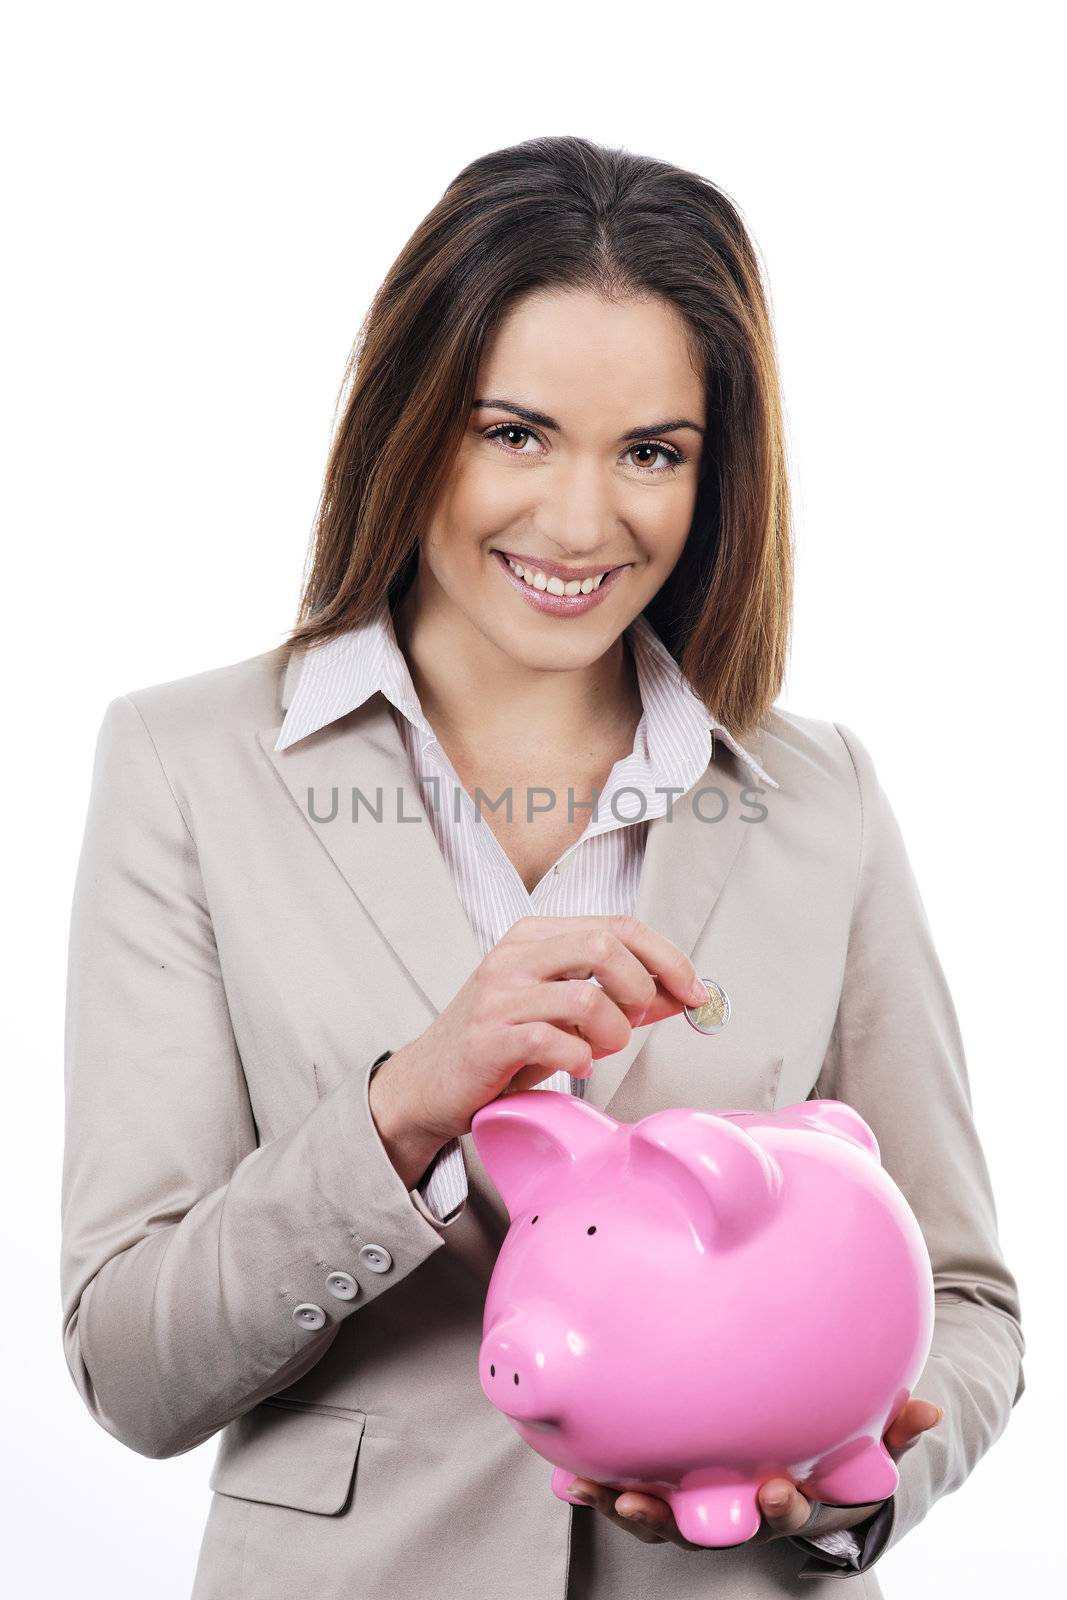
(592, 1229)
(674, 457)
(507, 430)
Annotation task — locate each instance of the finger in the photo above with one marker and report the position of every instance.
(650, 1511)
(676, 979)
(536, 1050)
(784, 1508)
(603, 1499)
(637, 1526)
(910, 1423)
(592, 1494)
(665, 1004)
(577, 1005)
(588, 952)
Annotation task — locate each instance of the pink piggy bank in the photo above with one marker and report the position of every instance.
(693, 1303)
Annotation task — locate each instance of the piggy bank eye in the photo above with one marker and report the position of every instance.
(592, 1229)
(534, 1219)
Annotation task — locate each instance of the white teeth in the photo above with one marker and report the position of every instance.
(538, 580)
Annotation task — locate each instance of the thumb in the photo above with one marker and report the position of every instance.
(913, 1420)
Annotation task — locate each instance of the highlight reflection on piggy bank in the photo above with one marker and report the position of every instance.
(693, 1303)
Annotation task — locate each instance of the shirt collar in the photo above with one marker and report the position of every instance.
(339, 675)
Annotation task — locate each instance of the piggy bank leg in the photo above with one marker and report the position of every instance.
(716, 1514)
(560, 1479)
(869, 1474)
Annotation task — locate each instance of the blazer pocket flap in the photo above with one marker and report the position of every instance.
(289, 1455)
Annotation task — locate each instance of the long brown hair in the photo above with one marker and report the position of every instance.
(565, 212)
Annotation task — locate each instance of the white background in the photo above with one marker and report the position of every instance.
(201, 201)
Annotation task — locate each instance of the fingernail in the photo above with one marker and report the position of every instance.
(777, 1497)
(940, 1414)
(698, 994)
(634, 1516)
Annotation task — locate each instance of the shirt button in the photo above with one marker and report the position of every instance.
(343, 1285)
(309, 1316)
(376, 1257)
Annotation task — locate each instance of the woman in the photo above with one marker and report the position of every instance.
(512, 785)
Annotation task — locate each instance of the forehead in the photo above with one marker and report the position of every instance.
(589, 361)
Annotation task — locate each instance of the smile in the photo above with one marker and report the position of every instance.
(554, 594)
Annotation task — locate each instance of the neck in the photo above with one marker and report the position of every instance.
(479, 697)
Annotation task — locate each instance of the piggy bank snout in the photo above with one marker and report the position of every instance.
(528, 1365)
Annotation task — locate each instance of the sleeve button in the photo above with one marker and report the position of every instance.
(376, 1258)
(309, 1316)
(343, 1285)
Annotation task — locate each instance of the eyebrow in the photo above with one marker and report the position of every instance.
(539, 419)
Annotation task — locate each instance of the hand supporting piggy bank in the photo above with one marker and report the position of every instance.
(693, 1303)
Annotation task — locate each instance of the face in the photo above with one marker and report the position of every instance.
(579, 464)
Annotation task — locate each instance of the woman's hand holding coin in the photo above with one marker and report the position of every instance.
(528, 1010)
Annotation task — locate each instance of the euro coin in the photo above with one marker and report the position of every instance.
(714, 1014)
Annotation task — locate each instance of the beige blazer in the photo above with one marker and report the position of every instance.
(239, 1256)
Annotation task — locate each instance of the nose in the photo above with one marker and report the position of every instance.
(527, 1365)
(579, 518)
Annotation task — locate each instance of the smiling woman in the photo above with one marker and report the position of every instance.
(571, 362)
(553, 551)
(575, 519)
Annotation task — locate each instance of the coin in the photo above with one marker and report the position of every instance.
(714, 1014)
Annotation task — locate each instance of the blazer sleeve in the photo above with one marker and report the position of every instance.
(190, 1253)
(896, 1055)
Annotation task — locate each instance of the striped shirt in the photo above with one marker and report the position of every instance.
(597, 875)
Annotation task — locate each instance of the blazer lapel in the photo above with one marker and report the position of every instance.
(394, 866)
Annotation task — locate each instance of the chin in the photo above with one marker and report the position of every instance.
(551, 651)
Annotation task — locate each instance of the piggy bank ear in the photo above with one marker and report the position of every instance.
(832, 1116)
(529, 1141)
(728, 1183)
